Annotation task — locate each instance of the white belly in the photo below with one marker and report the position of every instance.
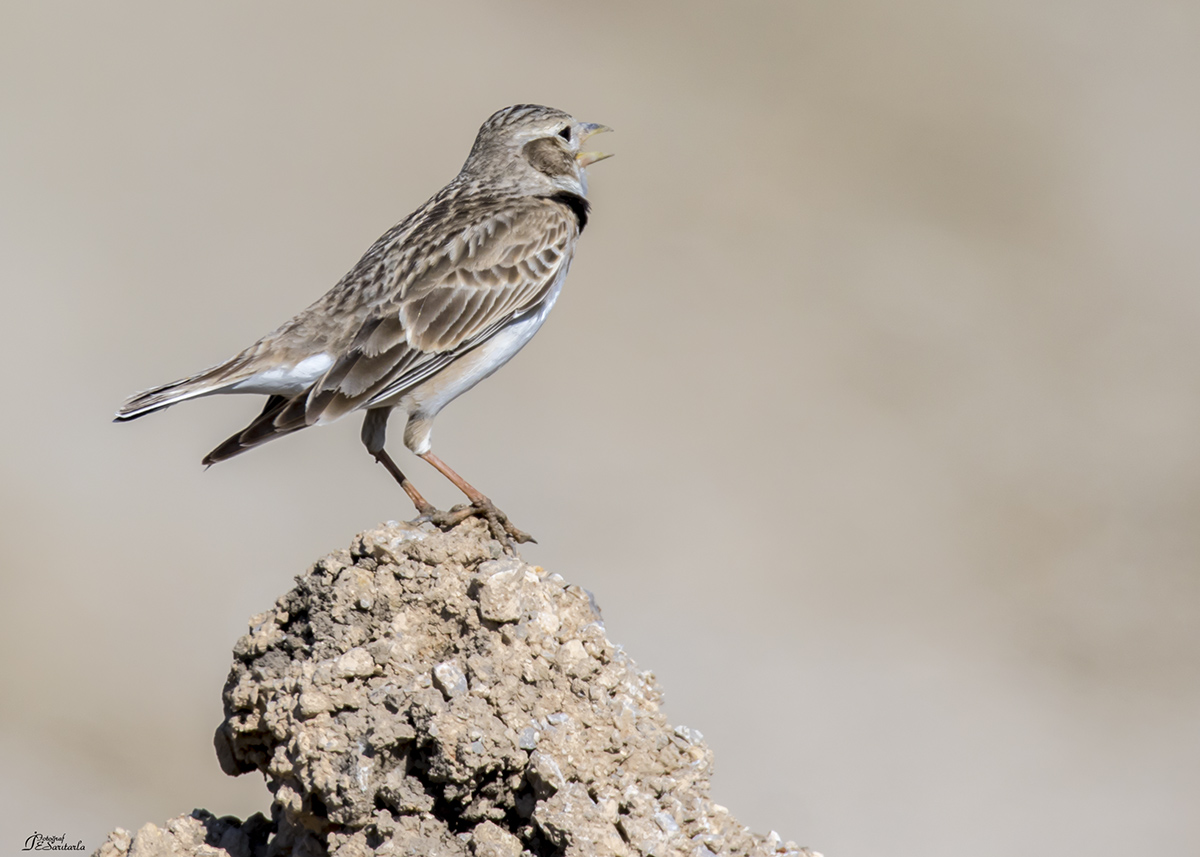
(423, 402)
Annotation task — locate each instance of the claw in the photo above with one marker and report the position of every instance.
(498, 522)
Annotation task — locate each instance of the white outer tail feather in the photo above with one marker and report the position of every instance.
(231, 377)
(157, 398)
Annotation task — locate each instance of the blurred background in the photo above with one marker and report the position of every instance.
(869, 412)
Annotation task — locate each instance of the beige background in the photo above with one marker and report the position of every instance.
(870, 412)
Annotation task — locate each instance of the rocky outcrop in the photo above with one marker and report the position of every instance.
(426, 693)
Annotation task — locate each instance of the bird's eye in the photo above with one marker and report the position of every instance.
(565, 133)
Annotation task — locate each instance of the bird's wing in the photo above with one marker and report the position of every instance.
(486, 275)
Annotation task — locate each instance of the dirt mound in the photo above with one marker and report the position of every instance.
(425, 693)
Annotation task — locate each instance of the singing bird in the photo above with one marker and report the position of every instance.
(440, 302)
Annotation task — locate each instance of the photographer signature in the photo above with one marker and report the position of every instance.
(41, 842)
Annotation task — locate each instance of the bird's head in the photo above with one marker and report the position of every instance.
(536, 148)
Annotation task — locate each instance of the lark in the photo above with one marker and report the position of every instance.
(440, 302)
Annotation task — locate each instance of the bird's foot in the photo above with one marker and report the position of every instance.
(501, 527)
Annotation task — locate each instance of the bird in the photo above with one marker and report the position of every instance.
(438, 303)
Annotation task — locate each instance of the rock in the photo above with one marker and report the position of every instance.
(424, 694)
(500, 594)
(490, 840)
(312, 703)
(356, 662)
(450, 679)
(544, 774)
(200, 834)
(574, 824)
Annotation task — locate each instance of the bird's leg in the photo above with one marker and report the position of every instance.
(374, 433)
(501, 527)
(424, 508)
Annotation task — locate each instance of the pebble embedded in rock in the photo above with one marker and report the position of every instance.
(491, 840)
(450, 679)
(354, 663)
(313, 703)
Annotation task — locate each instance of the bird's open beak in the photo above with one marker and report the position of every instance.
(587, 129)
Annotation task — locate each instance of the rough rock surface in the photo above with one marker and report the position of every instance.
(424, 693)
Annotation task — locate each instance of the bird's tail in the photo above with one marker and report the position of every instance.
(214, 380)
(281, 415)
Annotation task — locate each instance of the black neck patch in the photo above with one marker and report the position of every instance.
(576, 203)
